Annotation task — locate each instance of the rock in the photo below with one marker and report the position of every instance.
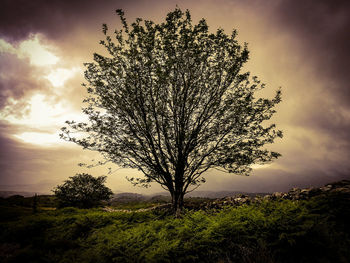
(342, 187)
(295, 190)
(344, 190)
(267, 197)
(277, 194)
(314, 192)
(285, 196)
(341, 183)
(326, 188)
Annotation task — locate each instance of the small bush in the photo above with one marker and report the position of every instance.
(83, 191)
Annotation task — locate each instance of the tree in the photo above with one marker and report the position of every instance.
(82, 190)
(170, 100)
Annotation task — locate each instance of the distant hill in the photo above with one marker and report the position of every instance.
(213, 194)
(129, 197)
(220, 194)
(5, 194)
(165, 196)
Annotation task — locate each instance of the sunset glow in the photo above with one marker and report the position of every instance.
(58, 76)
(44, 117)
(38, 54)
(41, 113)
(39, 138)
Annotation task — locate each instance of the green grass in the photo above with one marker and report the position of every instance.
(272, 231)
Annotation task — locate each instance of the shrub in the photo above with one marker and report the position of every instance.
(83, 191)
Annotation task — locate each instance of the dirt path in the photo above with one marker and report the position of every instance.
(110, 210)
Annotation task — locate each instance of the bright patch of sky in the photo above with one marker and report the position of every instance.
(40, 138)
(260, 166)
(38, 54)
(44, 114)
(59, 76)
(6, 47)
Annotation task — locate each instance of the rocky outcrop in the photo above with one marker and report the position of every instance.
(341, 187)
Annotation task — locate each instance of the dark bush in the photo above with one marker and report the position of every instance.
(83, 191)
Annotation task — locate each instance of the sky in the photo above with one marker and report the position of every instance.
(301, 46)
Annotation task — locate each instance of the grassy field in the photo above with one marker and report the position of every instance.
(316, 230)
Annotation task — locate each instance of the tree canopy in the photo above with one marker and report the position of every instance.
(171, 100)
(82, 190)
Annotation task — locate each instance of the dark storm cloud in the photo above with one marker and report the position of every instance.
(269, 180)
(53, 18)
(329, 119)
(322, 29)
(315, 111)
(322, 26)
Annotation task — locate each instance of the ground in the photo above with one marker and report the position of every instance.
(271, 229)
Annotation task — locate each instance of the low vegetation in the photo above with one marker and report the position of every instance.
(280, 230)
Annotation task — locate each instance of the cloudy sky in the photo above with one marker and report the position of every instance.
(301, 46)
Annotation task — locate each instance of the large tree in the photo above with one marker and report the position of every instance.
(170, 100)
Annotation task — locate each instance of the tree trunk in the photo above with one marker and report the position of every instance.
(178, 196)
(177, 203)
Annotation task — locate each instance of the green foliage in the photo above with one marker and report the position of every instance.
(11, 212)
(82, 190)
(272, 231)
(18, 200)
